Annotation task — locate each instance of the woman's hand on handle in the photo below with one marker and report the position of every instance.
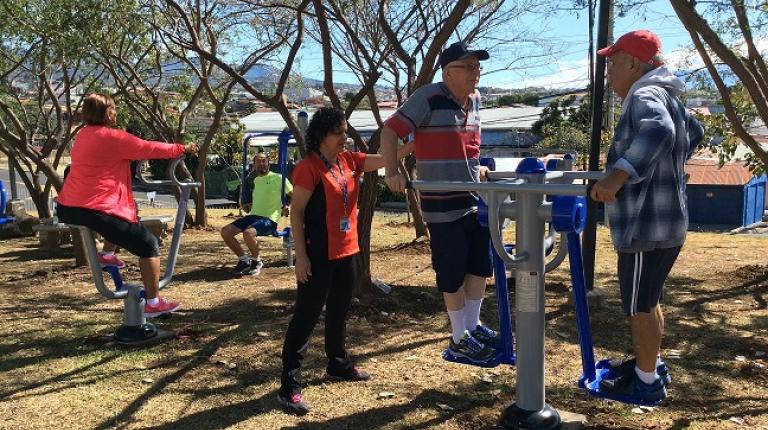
(191, 148)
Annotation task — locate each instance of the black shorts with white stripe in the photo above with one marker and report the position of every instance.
(642, 276)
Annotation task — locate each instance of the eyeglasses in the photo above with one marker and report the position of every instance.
(468, 67)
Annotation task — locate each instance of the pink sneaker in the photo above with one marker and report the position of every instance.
(110, 260)
(162, 307)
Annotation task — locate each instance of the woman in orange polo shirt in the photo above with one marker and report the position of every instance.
(324, 226)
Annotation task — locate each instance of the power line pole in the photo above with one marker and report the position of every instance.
(598, 88)
(610, 99)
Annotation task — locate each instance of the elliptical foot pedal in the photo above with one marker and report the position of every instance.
(603, 371)
(145, 334)
(165, 316)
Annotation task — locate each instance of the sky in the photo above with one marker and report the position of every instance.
(568, 69)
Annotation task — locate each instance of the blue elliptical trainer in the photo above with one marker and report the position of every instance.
(541, 196)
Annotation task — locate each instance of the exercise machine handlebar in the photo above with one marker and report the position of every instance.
(516, 186)
(494, 193)
(173, 181)
(566, 175)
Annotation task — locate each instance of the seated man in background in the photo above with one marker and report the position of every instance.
(265, 208)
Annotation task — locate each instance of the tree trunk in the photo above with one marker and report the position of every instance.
(364, 289)
(201, 214)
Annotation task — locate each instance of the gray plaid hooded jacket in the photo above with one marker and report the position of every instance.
(654, 138)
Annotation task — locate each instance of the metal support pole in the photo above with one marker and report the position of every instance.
(244, 173)
(282, 160)
(12, 177)
(530, 410)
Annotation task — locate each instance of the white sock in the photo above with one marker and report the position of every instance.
(658, 360)
(472, 313)
(154, 301)
(245, 259)
(646, 377)
(457, 324)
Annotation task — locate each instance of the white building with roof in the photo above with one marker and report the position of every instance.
(501, 126)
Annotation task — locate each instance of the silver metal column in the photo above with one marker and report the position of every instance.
(529, 299)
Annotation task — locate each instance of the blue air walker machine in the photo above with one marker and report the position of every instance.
(283, 139)
(533, 197)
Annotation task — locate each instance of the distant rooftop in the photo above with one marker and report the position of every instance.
(707, 171)
(505, 118)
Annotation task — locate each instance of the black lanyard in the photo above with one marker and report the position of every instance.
(342, 181)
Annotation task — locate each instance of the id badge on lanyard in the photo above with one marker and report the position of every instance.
(345, 225)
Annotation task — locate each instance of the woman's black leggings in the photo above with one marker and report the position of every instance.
(331, 285)
(132, 236)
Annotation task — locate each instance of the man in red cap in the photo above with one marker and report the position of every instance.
(644, 196)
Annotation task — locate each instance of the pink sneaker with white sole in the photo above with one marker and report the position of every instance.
(110, 260)
(161, 307)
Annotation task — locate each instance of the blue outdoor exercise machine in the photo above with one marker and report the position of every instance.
(4, 217)
(507, 354)
(135, 329)
(539, 197)
(283, 139)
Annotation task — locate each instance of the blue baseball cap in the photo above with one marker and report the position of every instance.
(459, 51)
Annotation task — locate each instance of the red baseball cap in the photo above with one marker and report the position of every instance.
(641, 44)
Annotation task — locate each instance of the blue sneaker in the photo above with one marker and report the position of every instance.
(471, 349)
(632, 387)
(627, 366)
(487, 336)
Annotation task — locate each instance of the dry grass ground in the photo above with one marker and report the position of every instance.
(222, 372)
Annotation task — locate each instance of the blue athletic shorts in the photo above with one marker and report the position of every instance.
(459, 248)
(263, 226)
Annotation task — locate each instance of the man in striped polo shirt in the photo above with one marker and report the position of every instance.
(445, 122)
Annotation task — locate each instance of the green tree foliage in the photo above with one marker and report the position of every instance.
(719, 130)
(227, 146)
(567, 127)
(45, 67)
(726, 36)
(564, 110)
(530, 99)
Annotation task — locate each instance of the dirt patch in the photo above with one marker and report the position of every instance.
(56, 370)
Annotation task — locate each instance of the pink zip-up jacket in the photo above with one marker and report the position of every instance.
(100, 173)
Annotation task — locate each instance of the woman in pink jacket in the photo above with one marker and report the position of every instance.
(98, 194)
